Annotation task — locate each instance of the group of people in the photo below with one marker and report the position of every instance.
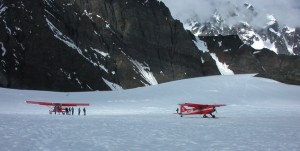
(68, 111)
(84, 111)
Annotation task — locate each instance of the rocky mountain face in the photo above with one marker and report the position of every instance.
(241, 47)
(79, 45)
(241, 58)
(280, 39)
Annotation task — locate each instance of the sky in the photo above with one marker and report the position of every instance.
(285, 11)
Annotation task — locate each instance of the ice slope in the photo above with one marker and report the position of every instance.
(261, 114)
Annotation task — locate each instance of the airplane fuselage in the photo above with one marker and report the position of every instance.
(192, 108)
(198, 111)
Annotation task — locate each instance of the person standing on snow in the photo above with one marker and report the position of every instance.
(55, 109)
(67, 111)
(78, 111)
(84, 111)
(72, 109)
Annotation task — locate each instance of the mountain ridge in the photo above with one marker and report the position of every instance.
(110, 45)
(93, 45)
(273, 35)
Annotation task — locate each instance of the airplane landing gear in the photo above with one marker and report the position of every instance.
(205, 116)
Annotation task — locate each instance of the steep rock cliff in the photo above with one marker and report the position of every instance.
(80, 45)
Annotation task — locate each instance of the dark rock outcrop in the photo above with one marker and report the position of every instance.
(67, 45)
(243, 58)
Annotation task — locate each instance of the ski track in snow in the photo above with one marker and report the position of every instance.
(261, 114)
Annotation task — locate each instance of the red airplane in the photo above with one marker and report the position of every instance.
(191, 108)
(57, 107)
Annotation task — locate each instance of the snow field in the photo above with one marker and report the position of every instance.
(261, 114)
(147, 132)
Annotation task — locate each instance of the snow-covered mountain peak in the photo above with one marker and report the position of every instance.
(271, 20)
(255, 26)
(217, 17)
(288, 29)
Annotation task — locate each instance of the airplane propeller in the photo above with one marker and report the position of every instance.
(215, 109)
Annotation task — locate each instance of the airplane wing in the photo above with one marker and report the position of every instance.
(193, 105)
(202, 105)
(40, 103)
(53, 104)
(75, 104)
(218, 105)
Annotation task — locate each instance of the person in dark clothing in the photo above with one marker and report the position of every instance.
(78, 111)
(177, 110)
(72, 109)
(55, 109)
(67, 111)
(84, 111)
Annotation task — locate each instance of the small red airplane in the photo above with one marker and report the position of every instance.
(191, 108)
(57, 107)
